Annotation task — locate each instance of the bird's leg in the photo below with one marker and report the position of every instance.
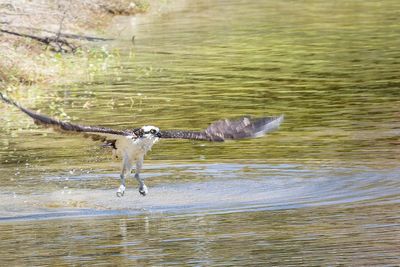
(142, 187)
(126, 168)
(121, 188)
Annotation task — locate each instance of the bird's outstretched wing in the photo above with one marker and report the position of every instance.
(222, 130)
(94, 132)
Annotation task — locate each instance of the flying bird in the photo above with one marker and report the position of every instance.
(131, 145)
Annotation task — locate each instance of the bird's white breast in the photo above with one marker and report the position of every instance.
(132, 148)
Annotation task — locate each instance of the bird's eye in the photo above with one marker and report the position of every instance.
(152, 131)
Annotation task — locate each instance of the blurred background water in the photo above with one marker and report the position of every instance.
(323, 190)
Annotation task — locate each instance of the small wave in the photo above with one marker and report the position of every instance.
(216, 188)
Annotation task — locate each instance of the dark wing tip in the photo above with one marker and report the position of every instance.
(265, 125)
(245, 127)
(8, 101)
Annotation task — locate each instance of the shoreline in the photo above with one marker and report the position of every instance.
(42, 44)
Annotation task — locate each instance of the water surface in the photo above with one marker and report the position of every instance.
(323, 190)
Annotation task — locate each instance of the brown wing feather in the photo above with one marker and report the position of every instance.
(94, 132)
(181, 134)
(221, 130)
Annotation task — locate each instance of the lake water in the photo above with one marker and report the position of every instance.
(324, 190)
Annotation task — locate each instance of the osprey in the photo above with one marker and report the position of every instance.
(131, 145)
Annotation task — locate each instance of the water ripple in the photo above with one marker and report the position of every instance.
(212, 188)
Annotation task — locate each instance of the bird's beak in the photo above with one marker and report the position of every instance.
(158, 134)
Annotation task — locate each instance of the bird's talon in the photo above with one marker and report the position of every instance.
(143, 190)
(121, 191)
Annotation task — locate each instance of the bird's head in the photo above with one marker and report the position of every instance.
(148, 132)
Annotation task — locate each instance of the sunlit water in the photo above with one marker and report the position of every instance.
(323, 190)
